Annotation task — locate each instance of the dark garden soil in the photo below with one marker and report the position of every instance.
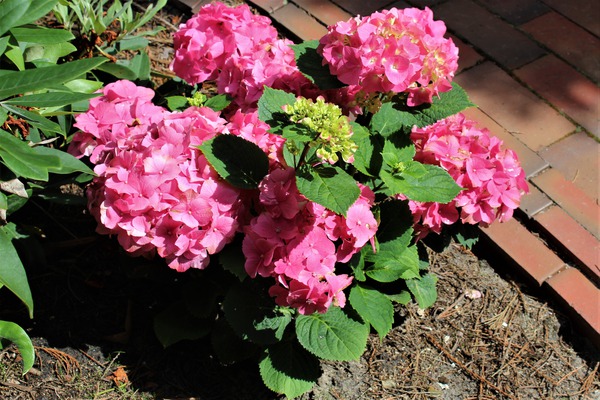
(94, 337)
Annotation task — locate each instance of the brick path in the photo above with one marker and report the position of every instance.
(533, 68)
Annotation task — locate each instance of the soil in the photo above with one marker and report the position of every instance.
(487, 337)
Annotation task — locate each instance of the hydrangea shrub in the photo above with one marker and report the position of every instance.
(314, 182)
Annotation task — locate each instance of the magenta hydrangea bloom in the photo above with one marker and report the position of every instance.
(155, 191)
(392, 51)
(491, 176)
(237, 49)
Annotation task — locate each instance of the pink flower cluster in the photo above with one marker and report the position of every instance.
(392, 51)
(298, 242)
(155, 191)
(238, 49)
(491, 176)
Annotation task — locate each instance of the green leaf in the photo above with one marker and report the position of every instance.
(247, 309)
(401, 298)
(12, 272)
(175, 324)
(424, 290)
(228, 346)
(16, 334)
(270, 105)
(240, 162)
(421, 182)
(15, 54)
(289, 369)
(140, 64)
(177, 102)
(3, 44)
(232, 259)
(41, 35)
(329, 186)
(48, 53)
(310, 63)
(373, 307)
(52, 99)
(11, 12)
(121, 70)
(333, 335)
(36, 9)
(465, 234)
(30, 80)
(36, 119)
(393, 117)
(367, 158)
(398, 148)
(83, 85)
(22, 159)
(218, 102)
(357, 263)
(396, 221)
(132, 43)
(393, 261)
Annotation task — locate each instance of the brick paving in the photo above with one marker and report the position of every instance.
(533, 69)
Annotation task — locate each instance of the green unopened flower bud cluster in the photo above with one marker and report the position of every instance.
(331, 126)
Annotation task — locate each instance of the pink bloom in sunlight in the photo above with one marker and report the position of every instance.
(155, 190)
(492, 178)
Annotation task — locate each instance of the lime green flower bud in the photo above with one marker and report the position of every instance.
(197, 100)
(332, 129)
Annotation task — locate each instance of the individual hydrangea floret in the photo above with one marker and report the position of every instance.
(392, 51)
(332, 129)
(491, 176)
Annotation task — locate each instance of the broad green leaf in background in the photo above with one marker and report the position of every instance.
(396, 221)
(68, 163)
(50, 99)
(22, 160)
(248, 312)
(329, 186)
(393, 261)
(421, 182)
(333, 335)
(121, 69)
(41, 35)
(367, 158)
(270, 105)
(175, 324)
(289, 369)
(21, 12)
(239, 161)
(228, 346)
(393, 118)
(16, 334)
(310, 63)
(424, 290)
(401, 298)
(218, 102)
(373, 307)
(19, 82)
(12, 272)
(140, 64)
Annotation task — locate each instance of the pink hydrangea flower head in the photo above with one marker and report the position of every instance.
(392, 51)
(492, 179)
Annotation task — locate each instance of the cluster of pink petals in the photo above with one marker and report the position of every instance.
(392, 51)
(491, 176)
(237, 49)
(155, 190)
(298, 243)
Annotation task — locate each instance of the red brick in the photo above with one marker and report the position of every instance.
(516, 12)
(572, 238)
(581, 298)
(572, 199)
(577, 46)
(566, 89)
(494, 37)
(268, 5)
(526, 250)
(534, 202)
(583, 12)
(511, 105)
(362, 7)
(530, 161)
(299, 22)
(467, 55)
(576, 157)
(324, 11)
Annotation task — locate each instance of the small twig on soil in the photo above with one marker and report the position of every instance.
(157, 17)
(69, 363)
(22, 388)
(462, 366)
(588, 382)
(100, 364)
